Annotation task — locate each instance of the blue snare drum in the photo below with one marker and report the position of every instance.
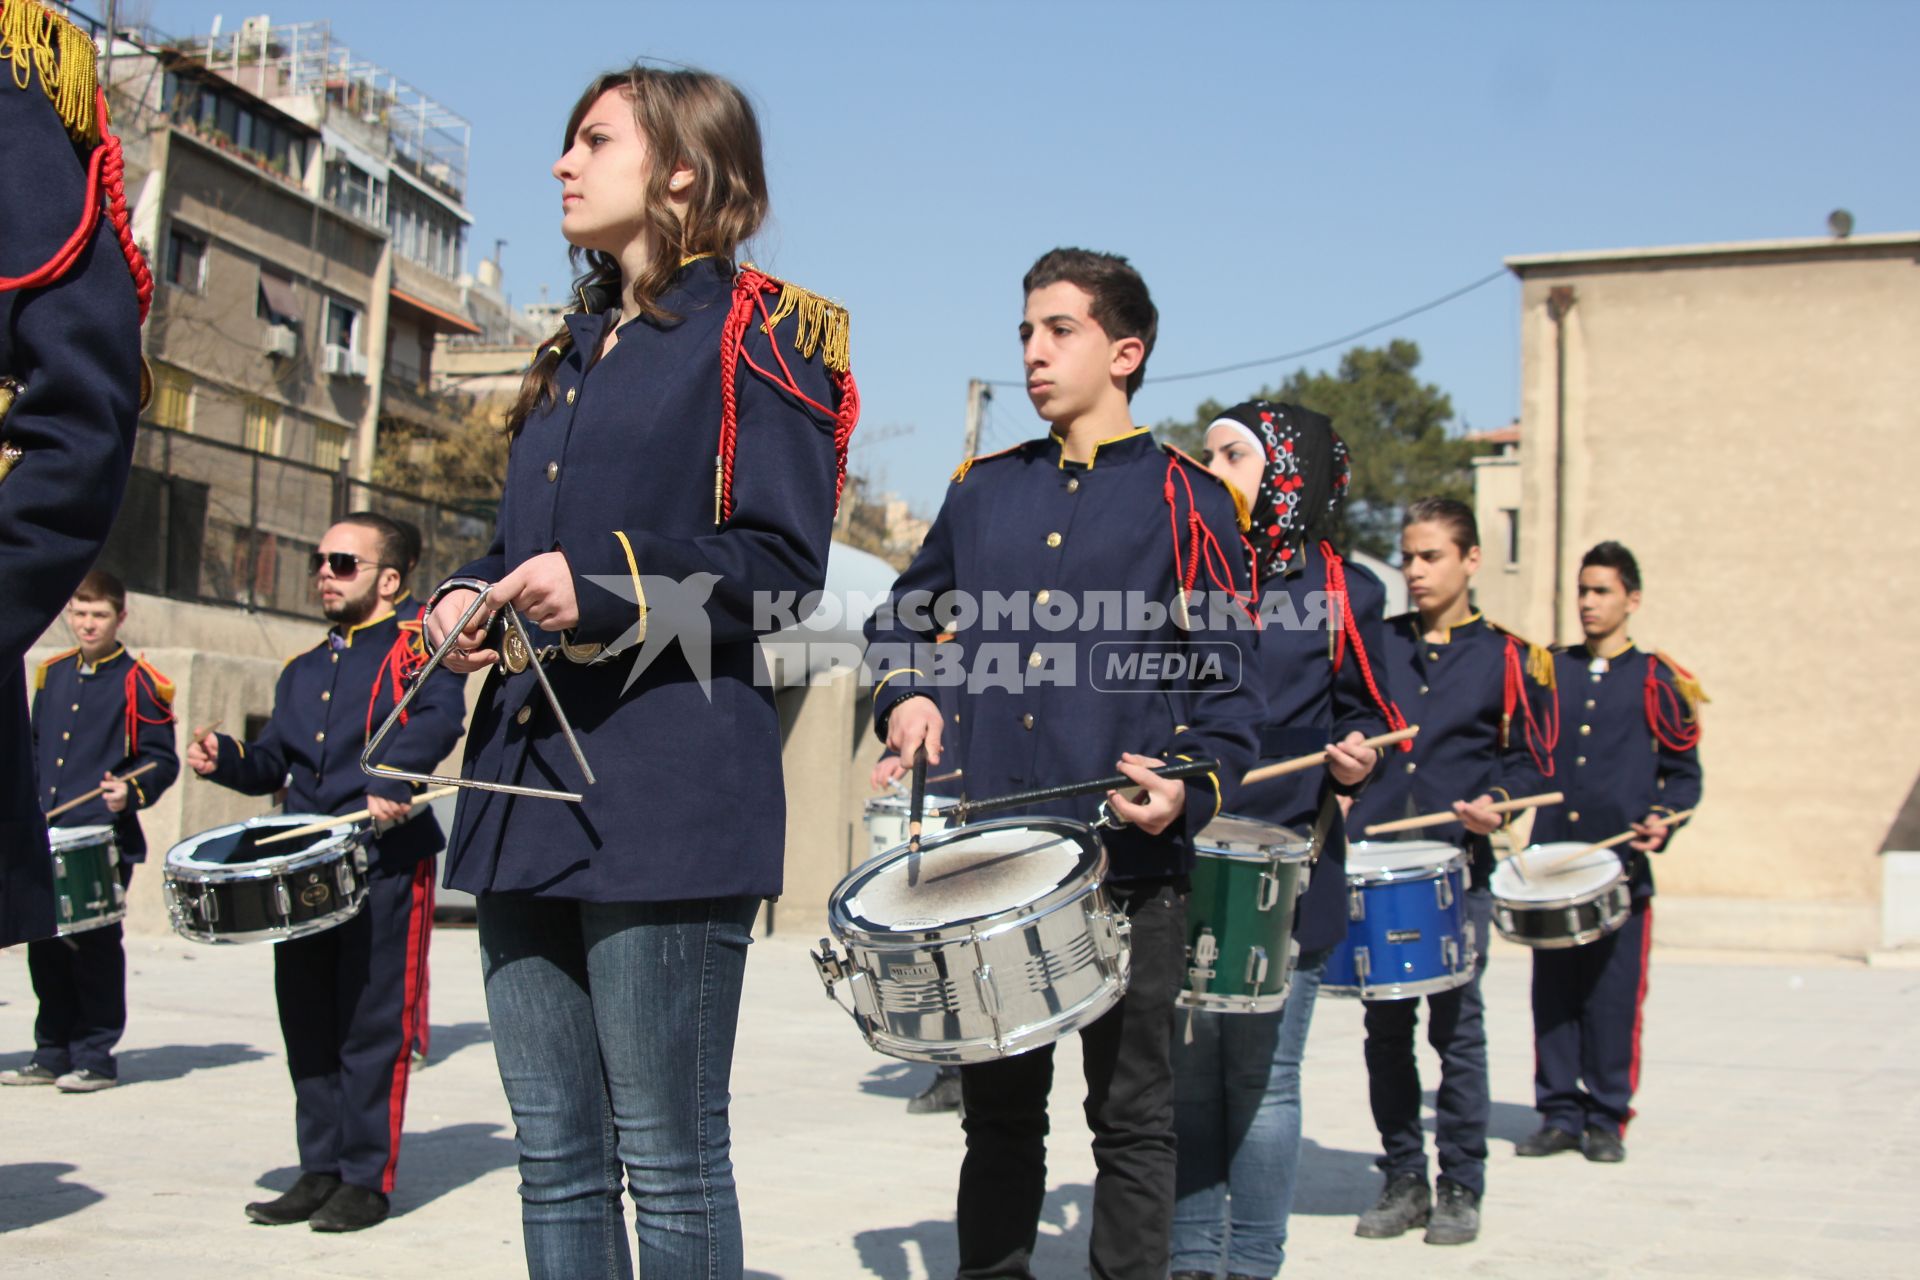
(1406, 922)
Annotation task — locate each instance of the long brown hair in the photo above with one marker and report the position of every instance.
(691, 119)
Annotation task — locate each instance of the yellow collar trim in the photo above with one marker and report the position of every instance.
(370, 622)
(86, 668)
(692, 258)
(1061, 440)
(1451, 628)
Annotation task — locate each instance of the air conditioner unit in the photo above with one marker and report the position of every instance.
(342, 363)
(281, 341)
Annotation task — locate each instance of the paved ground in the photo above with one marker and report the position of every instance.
(1780, 1136)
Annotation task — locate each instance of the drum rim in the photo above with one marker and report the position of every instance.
(1456, 857)
(904, 804)
(340, 843)
(78, 838)
(1295, 840)
(1614, 881)
(1288, 857)
(841, 923)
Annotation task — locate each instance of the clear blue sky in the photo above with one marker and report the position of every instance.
(1282, 173)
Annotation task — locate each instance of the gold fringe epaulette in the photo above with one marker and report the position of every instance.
(1686, 682)
(821, 326)
(35, 38)
(960, 472)
(1241, 514)
(163, 688)
(40, 672)
(1539, 658)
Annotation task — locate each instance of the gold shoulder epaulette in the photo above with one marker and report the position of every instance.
(1241, 515)
(1539, 658)
(960, 472)
(35, 38)
(1685, 681)
(820, 326)
(40, 672)
(163, 688)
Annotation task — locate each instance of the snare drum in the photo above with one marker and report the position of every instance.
(1568, 906)
(86, 878)
(1240, 948)
(222, 887)
(994, 939)
(887, 821)
(1406, 922)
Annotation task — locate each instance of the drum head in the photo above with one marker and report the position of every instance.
(902, 805)
(236, 847)
(966, 874)
(65, 838)
(1228, 836)
(1582, 879)
(1396, 859)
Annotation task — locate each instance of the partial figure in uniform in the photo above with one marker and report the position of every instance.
(677, 455)
(73, 292)
(1483, 700)
(350, 996)
(99, 715)
(1633, 762)
(1097, 524)
(1237, 1075)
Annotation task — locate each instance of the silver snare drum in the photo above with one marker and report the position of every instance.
(887, 821)
(222, 887)
(994, 939)
(1549, 907)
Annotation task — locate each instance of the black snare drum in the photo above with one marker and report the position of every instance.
(223, 887)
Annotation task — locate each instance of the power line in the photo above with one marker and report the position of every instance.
(1318, 347)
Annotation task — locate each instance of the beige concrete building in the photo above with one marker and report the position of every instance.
(1743, 416)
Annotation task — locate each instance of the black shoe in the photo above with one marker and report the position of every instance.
(1550, 1141)
(942, 1095)
(1604, 1145)
(1456, 1214)
(32, 1073)
(301, 1201)
(1404, 1204)
(351, 1208)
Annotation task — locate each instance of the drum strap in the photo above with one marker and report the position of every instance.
(1323, 823)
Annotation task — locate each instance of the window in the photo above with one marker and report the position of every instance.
(186, 260)
(329, 445)
(356, 192)
(277, 303)
(172, 399)
(1512, 517)
(425, 232)
(343, 325)
(262, 426)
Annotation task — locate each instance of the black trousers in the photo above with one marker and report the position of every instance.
(1586, 1026)
(81, 982)
(350, 1001)
(1457, 1030)
(1128, 1055)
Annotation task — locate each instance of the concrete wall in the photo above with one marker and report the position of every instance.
(1496, 491)
(1745, 422)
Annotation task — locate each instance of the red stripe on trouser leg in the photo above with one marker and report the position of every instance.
(1639, 1010)
(423, 1020)
(419, 930)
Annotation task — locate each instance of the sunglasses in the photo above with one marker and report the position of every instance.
(343, 563)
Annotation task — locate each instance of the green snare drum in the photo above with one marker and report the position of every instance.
(1240, 918)
(86, 878)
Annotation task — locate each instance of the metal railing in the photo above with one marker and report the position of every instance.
(215, 523)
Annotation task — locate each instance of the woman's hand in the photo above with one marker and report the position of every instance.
(465, 657)
(542, 590)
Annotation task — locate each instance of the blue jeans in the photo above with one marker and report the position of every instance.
(613, 1024)
(1236, 1100)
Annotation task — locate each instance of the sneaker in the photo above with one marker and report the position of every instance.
(1604, 1145)
(351, 1208)
(1456, 1214)
(942, 1095)
(32, 1073)
(1550, 1141)
(84, 1081)
(301, 1201)
(1404, 1204)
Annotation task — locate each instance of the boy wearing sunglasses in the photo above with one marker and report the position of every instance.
(352, 996)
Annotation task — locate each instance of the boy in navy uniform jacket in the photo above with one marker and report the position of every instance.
(99, 714)
(1052, 525)
(71, 302)
(1481, 699)
(349, 997)
(1632, 761)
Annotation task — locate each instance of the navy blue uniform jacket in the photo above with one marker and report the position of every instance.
(1613, 766)
(321, 711)
(1456, 691)
(1310, 704)
(74, 349)
(81, 730)
(1026, 525)
(618, 472)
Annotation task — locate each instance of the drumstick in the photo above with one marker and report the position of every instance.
(1441, 819)
(355, 816)
(1319, 758)
(963, 810)
(198, 734)
(77, 801)
(1567, 860)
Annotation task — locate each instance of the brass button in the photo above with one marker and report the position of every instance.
(67, 736)
(1589, 704)
(1585, 729)
(1053, 539)
(1574, 816)
(320, 736)
(1423, 688)
(553, 472)
(336, 657)
(1579, 759)
(326, 695)
(1433, 655)
(1073, 485)
(1026, 720)
(523, 715)
(74, 707)
(61, 762)
(1411, 766)
(1034, 659)
(570, 393)
(1044, 596)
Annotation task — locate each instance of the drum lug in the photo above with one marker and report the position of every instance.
(282, 900)
(828, 965)
(66, 909)
(1256, 966)
(1205, 951)
(208, 904)
(1356, 904)
(343, 877)
(1269, 890)
(989, 994)
(1443, 891)
(1573, 922)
